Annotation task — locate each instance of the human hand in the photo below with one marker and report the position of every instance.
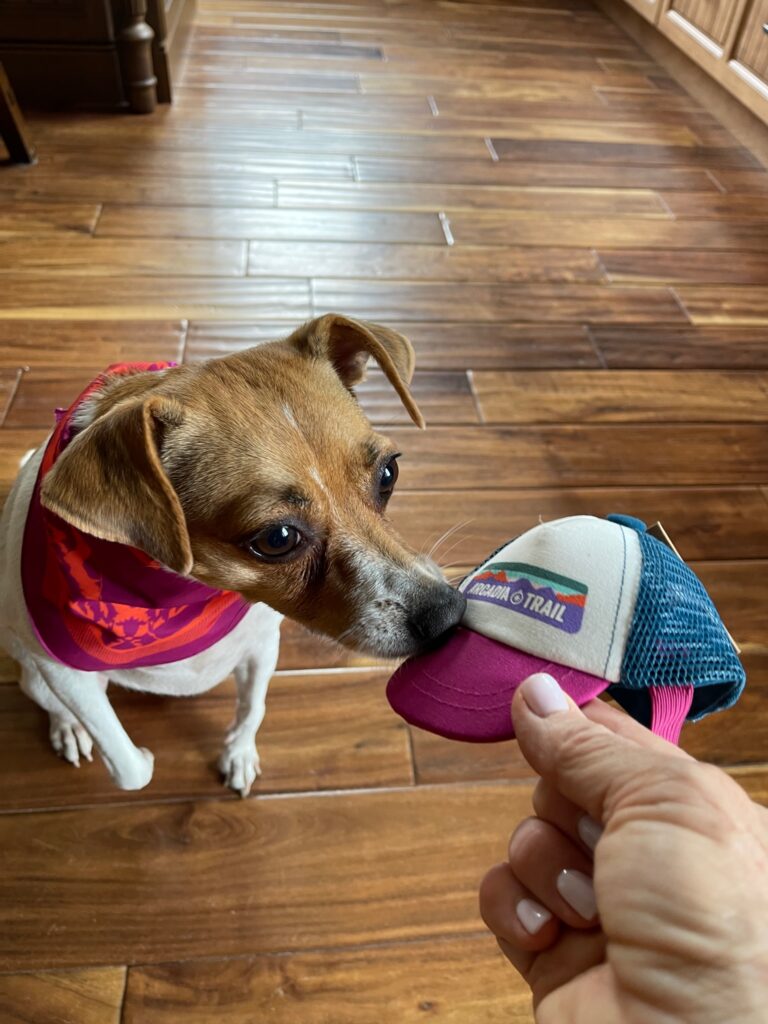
(638, 894)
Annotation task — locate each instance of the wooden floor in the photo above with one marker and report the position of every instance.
(580, 254)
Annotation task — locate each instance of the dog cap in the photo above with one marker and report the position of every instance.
(598, 603)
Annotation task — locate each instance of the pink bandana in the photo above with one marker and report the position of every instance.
(97, 605)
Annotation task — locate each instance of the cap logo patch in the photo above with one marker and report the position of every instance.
(528, 590)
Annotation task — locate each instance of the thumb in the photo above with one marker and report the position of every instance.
(589, 763)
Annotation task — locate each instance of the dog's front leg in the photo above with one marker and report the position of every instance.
(84, 696)
(239, 761)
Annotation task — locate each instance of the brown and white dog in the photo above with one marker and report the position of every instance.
(256, 473)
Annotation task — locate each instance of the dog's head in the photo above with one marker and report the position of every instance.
(259, 473)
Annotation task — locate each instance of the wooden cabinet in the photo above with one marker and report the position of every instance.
(728, 38)
(706, 21)
(749, 55)
(95, 53)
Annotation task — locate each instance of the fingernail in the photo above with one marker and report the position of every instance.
(578, 892)
(543, 695)
(589, 831)
(532, 915)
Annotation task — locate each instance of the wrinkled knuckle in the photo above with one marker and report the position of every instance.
(578, 748)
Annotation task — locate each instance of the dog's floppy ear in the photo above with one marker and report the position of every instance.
(349, 344)
(110, 482)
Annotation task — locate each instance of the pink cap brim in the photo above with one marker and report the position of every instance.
(463, 690)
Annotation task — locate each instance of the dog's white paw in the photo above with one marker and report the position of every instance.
(70, 740)
(138, 773)
(239, 764)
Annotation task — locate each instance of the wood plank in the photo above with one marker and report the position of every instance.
(525, 130)
(322, 731)
(438, 345)
(435, 197)
(515, 83)
(53, 184)
(749, 181)
(619, 152)
(471, 62)
(581, 104)
(485, 227)
(442, 397)
(304, 48)
(162, 866)
(668, 346)
(648, 101)
(506, 173)
(641, 455)
(286, 225)
(690, 266)
(619, 396)
(89, 996)
(720, 305)
(91, 345)
(15, 443)
(252, 142)
(236, 98)
(731, 738)
(144, 297)
(30, 218)
(729, 206)
(420, 262)
(299, 81)
(9, 379)
(122, 161)
(704, 523)
(455, 979)
(389, 300)
(106, 257)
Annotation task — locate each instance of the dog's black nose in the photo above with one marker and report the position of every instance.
(436, 615)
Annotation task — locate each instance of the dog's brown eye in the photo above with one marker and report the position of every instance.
(388, 478)
(275, 542)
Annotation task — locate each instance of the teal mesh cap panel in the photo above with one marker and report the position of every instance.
(676, 639)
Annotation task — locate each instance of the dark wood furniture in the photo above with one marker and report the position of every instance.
(13, 130)
(95, 53)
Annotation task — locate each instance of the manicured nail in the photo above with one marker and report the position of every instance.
(578, 892)
(543, 695)
(532, 915)
(589, 831)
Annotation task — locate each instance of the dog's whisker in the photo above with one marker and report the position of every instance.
(448, 533)
(452, 547)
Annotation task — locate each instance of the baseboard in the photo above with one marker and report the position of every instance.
(747, 128)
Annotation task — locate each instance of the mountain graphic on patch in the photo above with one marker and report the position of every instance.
(528, 590)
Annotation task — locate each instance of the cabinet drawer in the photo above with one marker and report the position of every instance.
(81, 21)
(712, 18)
(751, 49)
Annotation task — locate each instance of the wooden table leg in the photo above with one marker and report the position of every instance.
(13, 129)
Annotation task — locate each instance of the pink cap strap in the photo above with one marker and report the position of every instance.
(669, 707)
